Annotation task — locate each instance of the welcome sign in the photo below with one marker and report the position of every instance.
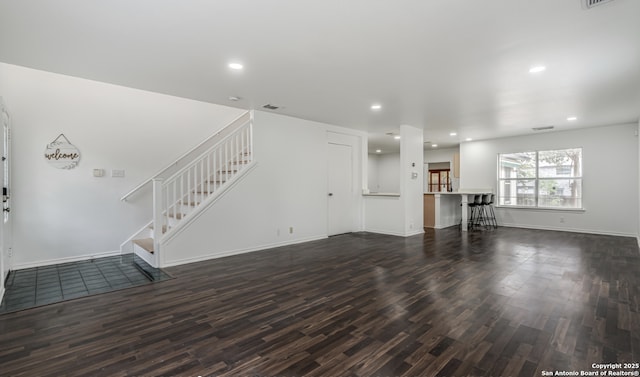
(61, 154)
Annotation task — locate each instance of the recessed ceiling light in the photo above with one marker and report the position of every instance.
(434, 145)
(236, 66)
(234, 98)
(376, 107)
(571, 119)
(397, 137)
(453, 134)
(537, 69)
(468, 139)
(378, 150)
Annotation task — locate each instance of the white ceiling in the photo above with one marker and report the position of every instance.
(443, 65)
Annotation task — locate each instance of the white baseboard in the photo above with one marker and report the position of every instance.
(572, 230)
(48, 262)
(443, 226)
(239, 251)
(388, 233)
(398, 234)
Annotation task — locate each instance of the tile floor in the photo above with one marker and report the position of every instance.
(45, 285)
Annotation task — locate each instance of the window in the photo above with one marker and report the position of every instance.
(542, 179)
(439, 180)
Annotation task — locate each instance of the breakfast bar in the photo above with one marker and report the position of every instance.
(445, 209)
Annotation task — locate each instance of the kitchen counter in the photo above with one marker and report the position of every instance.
(449, 208)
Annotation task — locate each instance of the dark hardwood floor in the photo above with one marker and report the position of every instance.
(506, 302)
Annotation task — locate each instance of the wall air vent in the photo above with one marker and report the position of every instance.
(588, 4)
(271, 107)
(542, 128)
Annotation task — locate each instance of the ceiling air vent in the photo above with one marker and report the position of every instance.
(587, 4)
(542, 128)
(271, 107)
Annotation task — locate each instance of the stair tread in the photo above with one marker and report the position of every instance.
(145, 243)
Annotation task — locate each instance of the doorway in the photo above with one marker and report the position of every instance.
(340, 204)
(439, 180)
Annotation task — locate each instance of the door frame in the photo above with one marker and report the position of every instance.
(357, 141)
(5, 221)
(330, 192)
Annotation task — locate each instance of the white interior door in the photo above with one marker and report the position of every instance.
(5, 218)
(340, 195)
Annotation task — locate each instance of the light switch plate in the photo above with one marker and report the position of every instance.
(117, 173)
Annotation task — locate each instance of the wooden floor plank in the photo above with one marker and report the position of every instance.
(502, 302)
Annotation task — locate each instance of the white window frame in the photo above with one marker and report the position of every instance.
(537, 180)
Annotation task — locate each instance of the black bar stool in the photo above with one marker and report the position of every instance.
(488, 214)
(476, 212)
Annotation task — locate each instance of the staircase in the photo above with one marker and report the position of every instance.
(191, 184)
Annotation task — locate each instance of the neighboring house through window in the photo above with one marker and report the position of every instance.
(541, 179)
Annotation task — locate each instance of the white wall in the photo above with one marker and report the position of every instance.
(61, 215)
(440, 155)
(372, 173)
(411, 162)
(401, 215)
(384, 214)
(610, 181)
(385, 169)
(288, 188)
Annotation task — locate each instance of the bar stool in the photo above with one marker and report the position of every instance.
(470, 207)
(476, 212)
(488, 214)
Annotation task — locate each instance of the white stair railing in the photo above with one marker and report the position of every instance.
(192, 153)
(198, 182)
(201, 180)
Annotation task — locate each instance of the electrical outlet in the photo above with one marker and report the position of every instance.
(290, 230)
(10, 252)
(561, 219)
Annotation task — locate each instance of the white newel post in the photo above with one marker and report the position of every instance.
(158, 222)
